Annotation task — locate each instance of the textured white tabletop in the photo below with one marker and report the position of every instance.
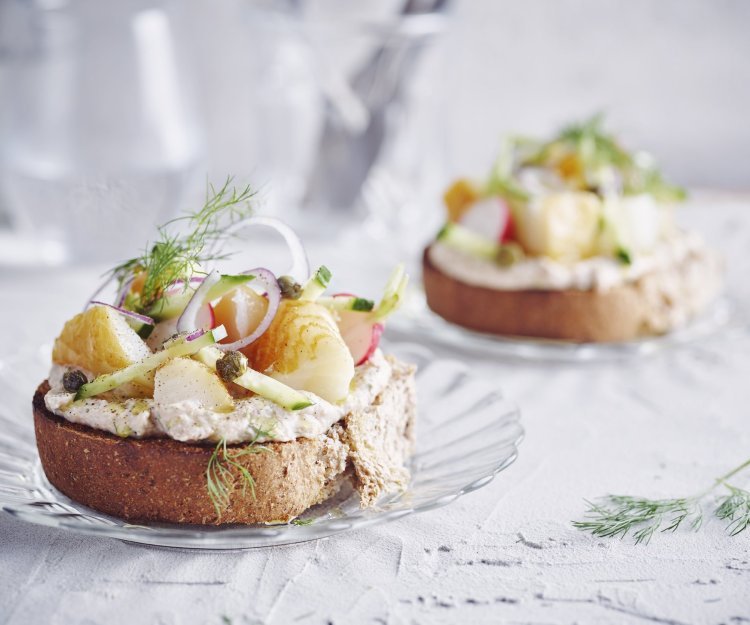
(664, 426)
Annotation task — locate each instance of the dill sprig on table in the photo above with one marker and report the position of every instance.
(223, 469)
(619, 515)
(302, 522)
(177, 256)
(735, 508)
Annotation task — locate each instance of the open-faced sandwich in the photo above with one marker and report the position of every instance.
(208, 398)
(571, 239)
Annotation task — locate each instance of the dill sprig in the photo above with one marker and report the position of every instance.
(590, 156)
(302, 522)
(735, 508)
(177, 256)
(616, 516)
(223, 468)
(620, 514)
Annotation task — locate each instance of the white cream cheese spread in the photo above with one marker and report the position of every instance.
(188, 421)
(597, 273)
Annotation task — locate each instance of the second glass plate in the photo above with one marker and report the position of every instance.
(417, 322)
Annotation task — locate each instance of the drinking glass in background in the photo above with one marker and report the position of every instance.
(100, 139)
(350, 101)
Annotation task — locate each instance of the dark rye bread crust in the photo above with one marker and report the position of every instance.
(617, 314)
(159, 479)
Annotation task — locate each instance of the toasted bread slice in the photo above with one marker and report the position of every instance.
(159, 479)
(654, 304)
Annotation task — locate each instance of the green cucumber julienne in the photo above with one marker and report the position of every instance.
(179, 347)
(257, 382)
(465, 240)
(172, 306)
(393, 294)
(317, 284)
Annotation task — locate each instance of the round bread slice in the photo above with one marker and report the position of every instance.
(633, 310)
(163, 480)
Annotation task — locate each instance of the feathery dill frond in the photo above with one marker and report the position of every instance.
(177, 256)
(223, 469)
(619, 515)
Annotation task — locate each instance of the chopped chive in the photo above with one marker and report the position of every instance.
(623, 256)
(362, 304)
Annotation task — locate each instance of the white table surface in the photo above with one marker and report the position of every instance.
(507, 553)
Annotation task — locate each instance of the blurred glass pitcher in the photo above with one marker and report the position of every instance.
(100, 138)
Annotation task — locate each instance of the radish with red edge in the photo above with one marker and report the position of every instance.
(490, 218)
(508, 233)
(360, 334)
(361, 330)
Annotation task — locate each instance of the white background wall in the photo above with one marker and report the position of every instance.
(673, 76)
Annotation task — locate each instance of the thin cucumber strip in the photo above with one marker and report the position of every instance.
(180, 347)
(316, 285)
(463, 239)
(265, 386)
(393, 294)
(171, 306)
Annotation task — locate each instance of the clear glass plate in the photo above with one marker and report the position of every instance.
(467, 432)
(417, 322)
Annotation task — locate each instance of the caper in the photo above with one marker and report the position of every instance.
(231, 366)
(73, 380)
(508, 254)
(290, 288)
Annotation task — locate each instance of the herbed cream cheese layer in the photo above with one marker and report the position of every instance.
(598, 273)
(188, 421)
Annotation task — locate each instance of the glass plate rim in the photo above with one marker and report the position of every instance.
(418, 321)
(256, 536)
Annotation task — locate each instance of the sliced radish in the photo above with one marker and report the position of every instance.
(377, 332)
(361, 333)
(508, 233)
(489, 217)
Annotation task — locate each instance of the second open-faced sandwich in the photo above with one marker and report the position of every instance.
(208, 398)
(571, 239)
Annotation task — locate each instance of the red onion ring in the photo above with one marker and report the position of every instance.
(124, 290)
(181, 283)
(188, 320)
(125, 312)
(265, 279)
(300, 269)
(195, 335)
